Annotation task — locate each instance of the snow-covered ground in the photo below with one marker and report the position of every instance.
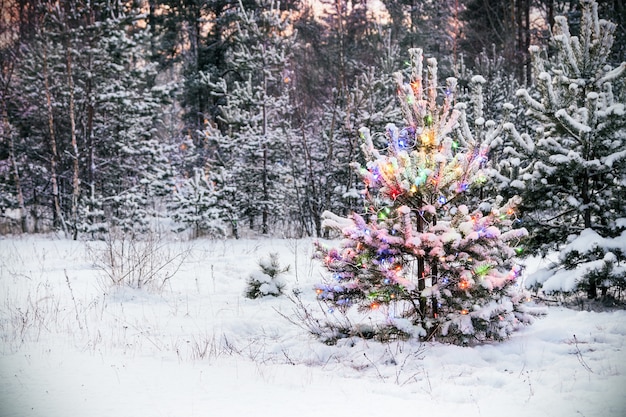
(74, 345)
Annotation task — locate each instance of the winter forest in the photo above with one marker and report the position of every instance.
(302, 188)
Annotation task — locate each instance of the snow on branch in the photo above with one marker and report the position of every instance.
(571, 124)
(546, 81)
(523, 140)
(563, 38)
(333, 221)
(523, 95)
(615, 157)
(613, 75)
(416, 55)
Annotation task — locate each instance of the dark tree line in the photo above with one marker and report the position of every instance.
(226, 115)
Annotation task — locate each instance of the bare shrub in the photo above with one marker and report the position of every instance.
(147, 261)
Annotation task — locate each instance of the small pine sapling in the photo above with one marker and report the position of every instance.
(267, 281)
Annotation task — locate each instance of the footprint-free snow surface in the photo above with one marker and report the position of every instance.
(188, 343)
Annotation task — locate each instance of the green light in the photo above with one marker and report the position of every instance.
(422, 176)
(481, 179)
(482, 269)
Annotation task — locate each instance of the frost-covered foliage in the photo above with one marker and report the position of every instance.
(489, 90)
(498, 86)
(269, 280)
(194, 206)
(85, 119)
(330, 182)
(418, 259)
(572, 169)
(252, 144)
(588, 256)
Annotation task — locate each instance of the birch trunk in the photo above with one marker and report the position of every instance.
(57, 214)
(75, 175)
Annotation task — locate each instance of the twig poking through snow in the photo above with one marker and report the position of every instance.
(579, 355)
(67, 279)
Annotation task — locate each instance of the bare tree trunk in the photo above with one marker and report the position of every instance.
(6, 134)
(265, 180)
(592, 291)
(8, 137)
(434, 278)
(312, 197)
(75, 175)
(550, 14)
(527, 65)
(342, 59)
(421, 272)
(266, 196)
(57, 216)
(91, 168)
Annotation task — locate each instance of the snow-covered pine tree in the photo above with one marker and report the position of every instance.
(267, 281)
(572, 173)
(490, 90)
(255, 117)
(86, 127)
(124, 160)
(419, 261)
(194, 206)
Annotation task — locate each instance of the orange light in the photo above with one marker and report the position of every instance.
(463, 285)
(319, 291)
(374, 306)
(388, 169)
(464, 311)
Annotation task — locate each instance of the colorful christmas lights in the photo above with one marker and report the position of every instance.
(420, 248)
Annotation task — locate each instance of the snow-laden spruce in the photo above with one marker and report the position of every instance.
(573, 177)
(249, 161)
(426, 257)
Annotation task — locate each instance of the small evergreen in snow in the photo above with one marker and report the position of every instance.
(421, 260)
(267, 281)
(194, 206)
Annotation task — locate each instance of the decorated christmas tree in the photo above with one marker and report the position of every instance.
(420, 261)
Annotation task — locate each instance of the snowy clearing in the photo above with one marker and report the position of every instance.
(74, 345)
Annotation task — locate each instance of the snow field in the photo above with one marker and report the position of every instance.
(73, 345)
